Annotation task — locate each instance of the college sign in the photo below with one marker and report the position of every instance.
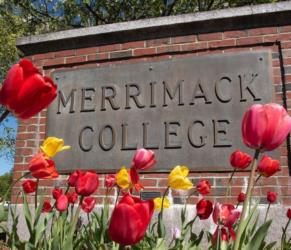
(188, 110)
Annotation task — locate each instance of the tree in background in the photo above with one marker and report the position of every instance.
(5, 182)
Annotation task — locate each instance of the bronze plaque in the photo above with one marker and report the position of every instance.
(188, 110)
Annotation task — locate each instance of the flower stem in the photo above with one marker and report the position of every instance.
(247, 199)
(162, 208)
(266, 216)
(4, 115)
(284, 235)
(118, 193)
(74, 223)
(36, 193)
(229, 182)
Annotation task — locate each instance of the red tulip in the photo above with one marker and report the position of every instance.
(62, 203)
(47, 207)
(25, 92)
(289, 213)
(72, 197)
(240, 160)
(87, 183)
(268, 167)
(241, 197)
(223, 235)
(204, 209)
(265, 127)
(29, 186)
(143, 159)
(88, 204)
(57, 192)
(203, 187)
(110, 180)
(42, 168)
(271, 196)
(134, 178)
(73, 178)
(130, 219)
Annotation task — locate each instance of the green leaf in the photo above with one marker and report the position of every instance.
(259, 236)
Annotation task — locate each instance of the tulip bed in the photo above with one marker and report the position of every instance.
(128, 223)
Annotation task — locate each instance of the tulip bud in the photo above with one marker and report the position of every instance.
(62, 203)
(241, 197)
(289, 213)
(271, 196)
(72, 197)
(42, 168)
(88, 204)
(87, 183)
(47, 207)
(203, 187)
(25, 92)
(240, 160)
(265, 127)
(29, 186)
(73, 178)
(110, 180)
(57, 192)
(204, 209)
(53, 145)
(143, 159)
(268, 167)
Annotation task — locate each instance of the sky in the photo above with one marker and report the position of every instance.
(5, 164)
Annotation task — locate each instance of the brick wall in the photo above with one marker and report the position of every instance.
(275, 39)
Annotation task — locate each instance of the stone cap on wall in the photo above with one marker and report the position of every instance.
(199, 22)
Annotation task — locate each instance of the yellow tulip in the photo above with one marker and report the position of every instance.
(158, 203)
(53, 145)
(177, 179)
(123, 178)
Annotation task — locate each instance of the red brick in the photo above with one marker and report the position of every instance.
(86, 51)
(169, 48)
(157, 42)
(24, 151)
(286, 45)
(279, 37)
(53, 62)
(194, 46)
(19, 144)
(19, 167)
(108, 48)
(249, 40)
(262, 31)
(143, 52)
(223, 43)
(46, 182)
(149, 183)
(133, 45)
(26, 136)
(210, 36)
(184, 39)
(235, 34)
(75, 59)
(65, 53)
(44, 56)
(284, 29)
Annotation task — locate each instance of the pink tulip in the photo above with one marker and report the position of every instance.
(265, 127)
(225, 214)
(143, 159)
